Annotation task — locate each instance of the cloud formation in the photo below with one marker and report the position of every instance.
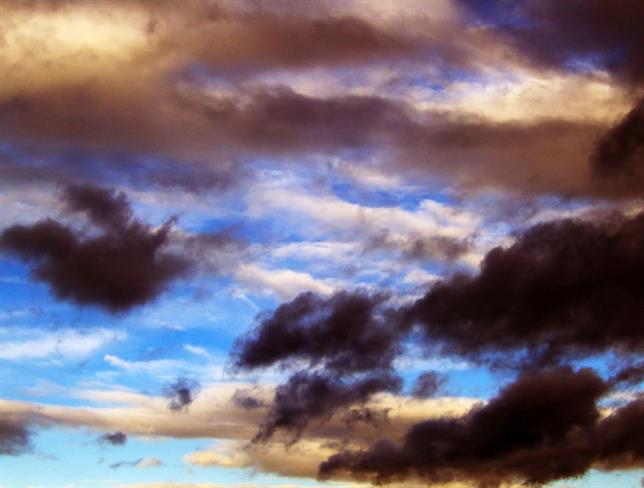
(565, 288)
(121, 267)
(15, 437)
(309, 396)
(543, 427)
(618, 159)
(326, 331)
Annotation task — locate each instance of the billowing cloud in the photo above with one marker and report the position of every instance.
(119, 268)
(347, 332)
(543, 427)
(618, 159)
(565, 288)
(307, 396)
(555, 34)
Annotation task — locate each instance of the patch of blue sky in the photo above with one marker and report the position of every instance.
(496, 13)
(80, 459)
(75, 456)
(407, 198)
(601, 479)
(591, 62)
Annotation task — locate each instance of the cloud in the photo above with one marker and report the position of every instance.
(630, 375)
(66, 343)
(15, 437)
(181, 393)
(427, 384)
(149, 462)
(565, 288)
(284, 283)
(247, 399)
(347, 332)
(115, 439)
(120, 268)
(150, 93)
(212, 414)
(307, 396)
(299, 460)
(543, 427)
(558, 35)
(618, 159)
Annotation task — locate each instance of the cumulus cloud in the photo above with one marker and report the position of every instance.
(307, 396)
(347, 332)
(555, 34)
(543, 427)
(618, 158)
(565, 288)
(119, 268)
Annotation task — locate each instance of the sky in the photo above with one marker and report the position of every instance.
(298, 243)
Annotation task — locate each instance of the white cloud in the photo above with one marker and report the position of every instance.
(284, 283)
(149, 462)
(197, 350)
(332, 214)
(59, 344)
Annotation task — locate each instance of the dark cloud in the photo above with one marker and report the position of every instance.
(618, 159)
(576, 34)
(427, 384)
(115, 439)
(565, 288)
(367, 415)
(311, 396)
(25, 164)
(15, 437)
(418, 247)
(126, 464)
(630, 375)
(154, 102)
(543, 427)
(276, 121)
(181, 393)
(244, 398)
(347, 332)
(121, 267)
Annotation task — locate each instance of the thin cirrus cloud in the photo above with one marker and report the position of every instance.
(57, 344)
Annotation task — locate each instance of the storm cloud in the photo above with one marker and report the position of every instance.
(543, 427)
(564, 289)
(308, 396)
(346, 333)
(123, 266)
